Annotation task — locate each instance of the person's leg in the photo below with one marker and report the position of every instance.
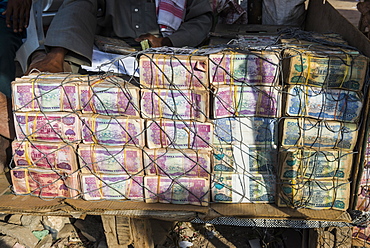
(10, 43)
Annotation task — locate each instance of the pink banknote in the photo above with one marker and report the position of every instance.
(45, 155)
(45, 183)
(111, 96)
(172, 162)
(110, 159)
(183, 190)
(46, 92)
(230, 101)
(175, 104)
(173, 71)
(252, 68)
(179, 134)
(110, 130)
(110, 187)
(52, 127)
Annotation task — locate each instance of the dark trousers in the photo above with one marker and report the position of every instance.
(9, 44)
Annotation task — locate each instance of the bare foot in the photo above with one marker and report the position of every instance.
(52, 62)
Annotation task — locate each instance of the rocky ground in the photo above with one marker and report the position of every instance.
(29, 231)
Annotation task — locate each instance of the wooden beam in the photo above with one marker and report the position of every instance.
(142, 233)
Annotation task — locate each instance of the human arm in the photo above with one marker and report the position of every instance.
(52, 62)
(196, 26)
(18, 14)
(69, 37)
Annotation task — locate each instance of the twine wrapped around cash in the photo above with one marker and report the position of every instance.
(198, 127)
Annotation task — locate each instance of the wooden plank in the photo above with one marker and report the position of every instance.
(331, 237)
(110, 231)
(123, 230)
(142, 233)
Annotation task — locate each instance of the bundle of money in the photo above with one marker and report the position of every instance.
(314, 39)
(173, 163)
(175, 104)
(315, 194)
(315, 164)
(334, 68)
(168, 71)
(111, 187)
(47, 92)
(246, 130)
(52, 127)
(242, 188)
(110, 96)
(95, 158)
(252, 68)
(363, 195)
(230, 101)
(363, 234)
(318, 133)
(256, 41)
(244, 159)
(367, 152)
(164, 133)
(112, 130)
(182, 190)
(45, 183)
(329, 104)
(47, 155)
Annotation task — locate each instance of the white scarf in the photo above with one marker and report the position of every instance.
(170, 15)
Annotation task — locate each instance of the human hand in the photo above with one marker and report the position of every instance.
(51, 62)
(155, 41)
(18, 14)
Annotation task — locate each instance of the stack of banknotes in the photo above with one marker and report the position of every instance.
(47, 93)
(242, 100)
(251, 68)
(175, 104)
(244, 159)
(76, 93)
(308, 163)
(45, 155)
(163, 133)
(175, 163)
(111, 187)
(110, 96)
(325, 67)
(246, 130)
(243, 188)
(315, 194)
(175, 100)
(183, 190)
(323, 103)
(362, 233)
(363, 204)
(198, 128)
(170, 71)
(363, 195)
(45, 183)
(48, 126)
(307, 132)
(320, 103)
(112, 130)
(95, 158)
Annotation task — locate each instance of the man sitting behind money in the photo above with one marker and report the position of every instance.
(70, 37)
